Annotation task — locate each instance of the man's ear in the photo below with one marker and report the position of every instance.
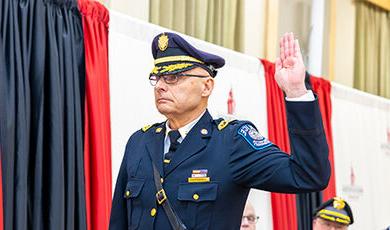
(208, 87)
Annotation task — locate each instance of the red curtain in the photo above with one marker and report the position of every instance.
(284, 212)
(323, 88)
(97, 152)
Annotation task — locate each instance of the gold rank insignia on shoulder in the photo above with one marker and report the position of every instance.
(223, 124)
(163, 42)
(145, 128)
(338, 203)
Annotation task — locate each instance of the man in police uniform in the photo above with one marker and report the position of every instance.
(333, 214)
(194, 172)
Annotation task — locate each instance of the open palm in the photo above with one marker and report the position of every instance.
(289, 67)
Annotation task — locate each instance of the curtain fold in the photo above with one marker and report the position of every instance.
(42, 124)
(372, 49)
(2, 128)
(306, 204)
(217, 21)
(1, 195)
(284, 212)
(97, 140)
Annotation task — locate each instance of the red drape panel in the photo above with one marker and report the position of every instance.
(323, 88)
(284, 212)
(97, 152)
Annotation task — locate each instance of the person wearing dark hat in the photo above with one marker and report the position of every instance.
(195, 172)
(333, 214)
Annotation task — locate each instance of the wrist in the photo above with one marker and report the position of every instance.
(296, 92)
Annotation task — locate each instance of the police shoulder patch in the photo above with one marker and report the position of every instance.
(254, 138)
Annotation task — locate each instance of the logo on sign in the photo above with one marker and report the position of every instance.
(352, 190)
(386, 146)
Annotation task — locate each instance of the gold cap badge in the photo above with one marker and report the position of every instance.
(163, 42)
(338, 203)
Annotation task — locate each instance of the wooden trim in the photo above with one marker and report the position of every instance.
(384, 4)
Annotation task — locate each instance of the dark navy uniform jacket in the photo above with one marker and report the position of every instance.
(233, 161)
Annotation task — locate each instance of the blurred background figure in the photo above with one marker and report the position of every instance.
(249, 218)
(333, 214)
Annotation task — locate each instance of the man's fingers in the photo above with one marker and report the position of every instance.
(278, 64)
(297, 49)
(286, 48)
(290, 44)
(289, 47)
(281, 45)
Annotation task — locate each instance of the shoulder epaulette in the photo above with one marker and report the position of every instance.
(222, 124)
(147, 127)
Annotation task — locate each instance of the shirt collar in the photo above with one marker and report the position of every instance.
(185, 129)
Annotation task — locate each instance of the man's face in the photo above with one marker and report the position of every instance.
(248, 221)
(321, 224)
(189, 94)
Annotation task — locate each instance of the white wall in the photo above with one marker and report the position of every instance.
(254, 27)
(135, 8)
(361, 137)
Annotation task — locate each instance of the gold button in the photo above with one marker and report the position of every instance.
(153, 212)
(127, 194)
(195, 196)
(162, 180)
(158, 130)
(204, 131)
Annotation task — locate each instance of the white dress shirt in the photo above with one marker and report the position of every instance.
(183, 132)
(309, 96)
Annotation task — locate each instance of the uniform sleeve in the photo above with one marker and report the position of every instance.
(257, 163)
(118, 219)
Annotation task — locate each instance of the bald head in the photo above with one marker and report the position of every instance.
(249, 217)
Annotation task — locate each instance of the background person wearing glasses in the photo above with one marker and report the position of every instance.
(249, 218)
(194, 172)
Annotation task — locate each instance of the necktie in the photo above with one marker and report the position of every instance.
(173, 135)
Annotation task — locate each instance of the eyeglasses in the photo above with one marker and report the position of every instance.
(251, 219)
(171, 79)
